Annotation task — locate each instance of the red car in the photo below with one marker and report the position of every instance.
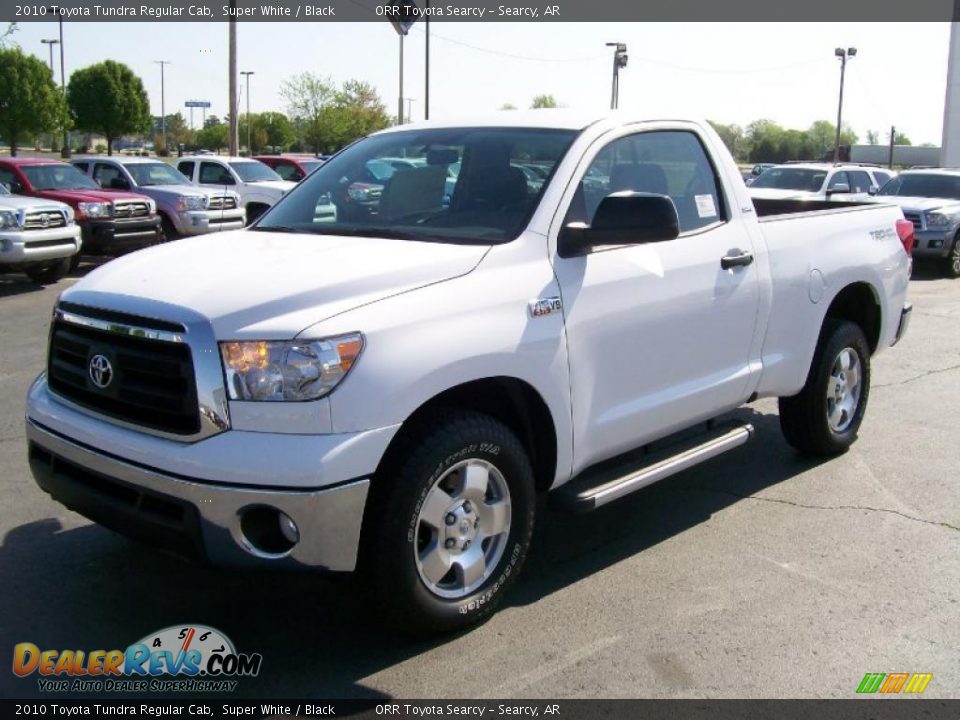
(291, 167)
(110, 221)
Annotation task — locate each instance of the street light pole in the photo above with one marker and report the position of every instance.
(843, 55)
(247, 74)
(619, 61)
(65, 150)
(163, 106)
(51, 43)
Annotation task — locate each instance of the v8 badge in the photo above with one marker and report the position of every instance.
(544, 306)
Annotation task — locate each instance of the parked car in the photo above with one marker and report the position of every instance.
(391, 391)
(258, 186)
(291, 167)
(111, 221)
(184, 208)
(818, 181)
(930, 199)
(37, 237)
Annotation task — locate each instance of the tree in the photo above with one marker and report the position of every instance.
(6, 37)
(327, 117)
(901, 139)
(30, 102)
(211, 120)
(873, 137)
(543, 101)
(734, 138)
(275, 128)
(214, 136)
(109, 98)
(178, 132)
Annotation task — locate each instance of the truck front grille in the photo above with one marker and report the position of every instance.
(151, 382)
(127, 209)
(42, 220)
(915, 219)
(219, 202)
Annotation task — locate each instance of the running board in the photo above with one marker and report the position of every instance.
(593, 489)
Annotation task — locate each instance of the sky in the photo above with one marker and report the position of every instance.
(727, 72)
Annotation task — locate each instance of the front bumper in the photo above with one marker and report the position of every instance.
(192, 518)
(118, 234)
(30, 246)
(199, 222)
(933, 243)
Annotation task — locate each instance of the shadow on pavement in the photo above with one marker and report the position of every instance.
(87, 588)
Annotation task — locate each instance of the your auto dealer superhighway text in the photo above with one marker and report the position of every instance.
(457, 710)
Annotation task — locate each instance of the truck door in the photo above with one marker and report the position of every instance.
(659, 334)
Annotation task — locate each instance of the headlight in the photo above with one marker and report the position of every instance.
(94, 209)
(288, 370)
(68, 216)
(192, 202)
(936, 219)
(8, 220)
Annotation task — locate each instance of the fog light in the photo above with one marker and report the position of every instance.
(936, 244)
(289, 529)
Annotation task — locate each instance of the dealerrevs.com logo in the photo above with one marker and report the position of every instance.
(181, 658)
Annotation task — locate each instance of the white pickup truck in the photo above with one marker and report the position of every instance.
(390, 392)
(257, 184)
(37, 237)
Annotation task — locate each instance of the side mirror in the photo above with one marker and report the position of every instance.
(16, 187)
(119, 183)
(623, 218)
(874, 189)
(838, 188)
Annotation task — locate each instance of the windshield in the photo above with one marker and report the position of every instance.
(254, 171)
(399, 185)
(788, 178)
(57, 177)
(310, 165)
(924, 185)
(146, 174)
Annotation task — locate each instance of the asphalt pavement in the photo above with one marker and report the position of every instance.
(760, 574)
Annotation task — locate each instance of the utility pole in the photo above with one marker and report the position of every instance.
(232, 71)
(51, 43)
(843, 55)
(409, 103)
(65, 150)
(619, 61)
(247, 74)
(163, 103)
(893, 136)
(426, 87)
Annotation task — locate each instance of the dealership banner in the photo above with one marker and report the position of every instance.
(490, 709)
(477, 11)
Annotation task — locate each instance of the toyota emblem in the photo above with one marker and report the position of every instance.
(100, 371)
(44, 220)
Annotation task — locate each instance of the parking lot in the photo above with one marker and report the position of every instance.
(760, 574)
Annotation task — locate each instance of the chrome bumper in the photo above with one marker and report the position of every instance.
(193, 518)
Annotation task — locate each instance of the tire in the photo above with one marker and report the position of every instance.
(74, 262)
(427, 525)
(169, 230)
(821, 425)
(951, 264)
(49, 274)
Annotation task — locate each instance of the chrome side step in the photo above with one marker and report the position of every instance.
(595, 489)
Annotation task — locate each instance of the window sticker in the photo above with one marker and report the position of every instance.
(705, 206)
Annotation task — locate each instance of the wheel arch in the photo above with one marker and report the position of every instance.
(858, 303)
(512, 401)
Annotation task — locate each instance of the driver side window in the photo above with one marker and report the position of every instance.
(668, 162)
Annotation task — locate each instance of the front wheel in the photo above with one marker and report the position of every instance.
(824, 417)
(952, 262)
(448, 528)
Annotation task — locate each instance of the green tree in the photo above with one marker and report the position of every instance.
(214, 136)
(543, 101)
(901, 139)
(275, 128)
(110, 99)
(30, 102)
(734, 138)
(306, 96)
(178, 132)
(211, 120)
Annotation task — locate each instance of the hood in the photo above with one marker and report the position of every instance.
(921, 204)
(779, 193)
(175, 190)
(277, 187)
(81, 195)
(30, 204)
(272, 286)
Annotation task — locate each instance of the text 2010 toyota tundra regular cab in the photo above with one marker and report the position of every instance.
(390, 390)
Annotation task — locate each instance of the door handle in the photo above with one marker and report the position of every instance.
(741, 259)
